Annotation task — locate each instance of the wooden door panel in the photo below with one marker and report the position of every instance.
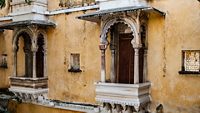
(126, 59)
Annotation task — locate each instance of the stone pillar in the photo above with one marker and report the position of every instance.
(112, 71)
(34, 30)
(145, 66)
(45, 62)
(34, 50)
(15, 63)
(136, 66)
(34, 63)
(136, 42)
(103, 47)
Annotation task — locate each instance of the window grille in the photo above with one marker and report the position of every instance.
(190, 62)
(3, 61)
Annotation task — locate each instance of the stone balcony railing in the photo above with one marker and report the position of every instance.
(29, 89)
(29, 82)
(112, 4)
(123, 97)
(24, 11)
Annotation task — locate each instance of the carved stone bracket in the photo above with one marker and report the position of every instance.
(29, 94)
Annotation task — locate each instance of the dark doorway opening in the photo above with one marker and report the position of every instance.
(126, 59)
(40, 57)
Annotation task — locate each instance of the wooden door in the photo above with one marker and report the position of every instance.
(126, 59)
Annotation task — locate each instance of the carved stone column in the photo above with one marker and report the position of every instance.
(34, 50)
(136, 66)
(112, 71)
(15, 62)
(145, 66)
(103, 47)
(136, 42)
(136, 45)
(45, 62)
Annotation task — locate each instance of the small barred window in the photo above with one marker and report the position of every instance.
(74, 62)
(3, 61)
(190, 61)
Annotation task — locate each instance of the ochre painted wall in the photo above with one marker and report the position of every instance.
(73, 36)
(32, 108)
(6, 48)
(168, 36)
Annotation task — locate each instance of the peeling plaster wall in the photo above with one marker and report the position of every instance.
(73, 36)
(21, 58)
(168, 36)
(31, 108)
(5, 48)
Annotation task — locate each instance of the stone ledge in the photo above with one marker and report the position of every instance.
(29, 82)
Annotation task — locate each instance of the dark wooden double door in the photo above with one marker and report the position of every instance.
(126, 60)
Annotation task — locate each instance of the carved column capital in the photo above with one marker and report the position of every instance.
(136, 44)
(103, 46)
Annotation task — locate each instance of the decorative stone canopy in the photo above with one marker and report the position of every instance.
(25, 23)
(96, 16)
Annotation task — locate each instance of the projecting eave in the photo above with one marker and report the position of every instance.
(40, 23)
(96, 16)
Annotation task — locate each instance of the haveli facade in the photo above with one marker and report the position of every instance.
(103, 56)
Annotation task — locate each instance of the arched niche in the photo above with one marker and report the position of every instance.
(23, 56)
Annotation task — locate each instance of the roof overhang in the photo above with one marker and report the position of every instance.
(96, 16)
(25, 23)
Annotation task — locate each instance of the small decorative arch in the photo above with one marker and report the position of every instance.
(16, 35)
(44, 34)
(128, 21)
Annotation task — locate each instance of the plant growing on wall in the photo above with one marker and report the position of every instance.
(3, 2)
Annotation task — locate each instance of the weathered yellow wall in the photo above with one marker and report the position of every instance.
(6, 48)
(21, 58)
(4, 82)
(55, 4)
(179, 30)
(73, 36)
(166, 38)
(32, 108)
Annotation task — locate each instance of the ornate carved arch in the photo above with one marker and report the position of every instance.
(17, 33)
(44, 34)
(108, 24)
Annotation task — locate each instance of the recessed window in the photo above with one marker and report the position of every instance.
(3, 61)
(74, 62)
(190, 62)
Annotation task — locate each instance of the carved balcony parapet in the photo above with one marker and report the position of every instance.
(29, 94)
(123, 97)
(34, 10)
(113, 4)
(29, 82)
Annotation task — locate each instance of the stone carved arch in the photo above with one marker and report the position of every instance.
(108, 24)
(44, 34)
(16, 35)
